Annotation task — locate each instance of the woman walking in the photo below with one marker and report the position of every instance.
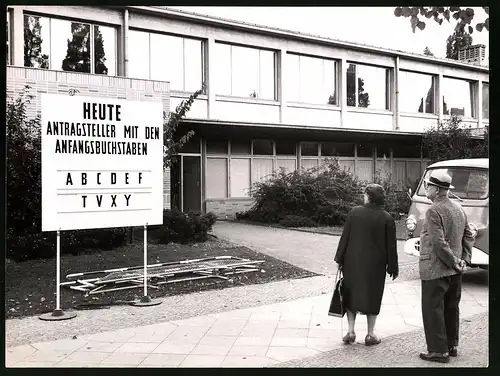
(366, 251)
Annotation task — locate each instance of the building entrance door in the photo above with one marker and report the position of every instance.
(191, 183)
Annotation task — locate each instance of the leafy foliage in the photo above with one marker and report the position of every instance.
(172, 143)
(305, 193)
(33, 56)
(463, 17)
(451, 140)
(427, 51)
(457, 41)
(397, 203)
(182, 227)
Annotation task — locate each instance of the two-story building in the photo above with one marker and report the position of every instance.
(273, 98)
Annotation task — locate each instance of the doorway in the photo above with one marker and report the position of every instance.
(191, 183)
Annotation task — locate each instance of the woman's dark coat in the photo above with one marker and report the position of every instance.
(366, 251)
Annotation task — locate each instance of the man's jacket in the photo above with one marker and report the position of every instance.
(445, 239)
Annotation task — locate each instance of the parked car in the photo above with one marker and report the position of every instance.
(471, 180)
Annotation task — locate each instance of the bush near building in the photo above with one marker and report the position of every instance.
(321, 196)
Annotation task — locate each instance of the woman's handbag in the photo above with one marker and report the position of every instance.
(336, 307)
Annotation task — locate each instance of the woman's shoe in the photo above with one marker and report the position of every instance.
(372, 340)
(349, 338)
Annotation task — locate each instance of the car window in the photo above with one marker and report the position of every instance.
(469, 183)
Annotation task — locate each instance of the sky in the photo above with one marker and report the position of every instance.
(376, 26)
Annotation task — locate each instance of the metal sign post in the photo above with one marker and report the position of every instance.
(58, 313)
(146, 301)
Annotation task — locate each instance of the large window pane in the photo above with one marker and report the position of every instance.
(167, 60)
(245, 72)
(486, 101)
(285, 147)
(292, 79)
(309, 149)
(222, 58)
(263, 147)
(217, 146)
(36, 42)
(288, 164)
(334, 149)
(241, 147)
(367, 87)
(216, 178)
(261, 169)
(416, 92)
(138, 64)
(267, 69)
(329, 81)
(372, 87)
(365, 150)
(311, 80)
(240, 177)
(193, 62)
(70, 46)
(458, 97)
(105, 50)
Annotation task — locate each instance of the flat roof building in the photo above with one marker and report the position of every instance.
(273, 98)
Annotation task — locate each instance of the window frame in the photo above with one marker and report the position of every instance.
(336, 76)
(92, 25)
(434, 93)
(389, 73)
(472, 99)
(203, 54)
(259, 49)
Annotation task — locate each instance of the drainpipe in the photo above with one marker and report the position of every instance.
(125, 43)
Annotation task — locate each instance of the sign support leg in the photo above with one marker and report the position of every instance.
(58, 314)
(146, 301)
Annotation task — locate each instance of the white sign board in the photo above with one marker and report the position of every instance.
(102, 163)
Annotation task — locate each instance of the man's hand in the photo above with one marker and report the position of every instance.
(461, 266)
(393, 275)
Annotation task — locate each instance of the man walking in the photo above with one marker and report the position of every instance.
(445, 250)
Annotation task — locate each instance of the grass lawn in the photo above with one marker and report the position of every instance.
(30, 286)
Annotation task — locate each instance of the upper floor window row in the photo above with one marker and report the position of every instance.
(245, 72)
(52, 43)
(170, 58)
(368, 86)
(311, 80)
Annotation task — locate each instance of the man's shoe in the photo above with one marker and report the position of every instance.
(435, 357)
(453, 351)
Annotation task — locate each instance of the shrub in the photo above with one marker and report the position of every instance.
(301, 193)
(183, 228)
(297, 221)
(334, 214)
(396, 201)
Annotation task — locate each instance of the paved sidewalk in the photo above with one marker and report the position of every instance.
(310, 251)
(252, 337)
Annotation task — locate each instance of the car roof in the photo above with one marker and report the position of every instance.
(473, 162)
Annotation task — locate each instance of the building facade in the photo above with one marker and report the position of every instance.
(272, 98)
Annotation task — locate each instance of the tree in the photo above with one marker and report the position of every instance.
(428, 52)
(457, 41)
(463, 17)
(78, 53)
(33, 44)
(450, 140)
(363, 98)
(99, 54)
(172, 141)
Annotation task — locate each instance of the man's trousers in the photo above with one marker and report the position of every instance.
(440, 312)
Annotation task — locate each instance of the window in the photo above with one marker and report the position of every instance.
(8, 36)
(311, 80)
(263, 147)
(400, 150)
(217, 146)
(469, 183)
(416, 92)
(458, 97)
(368, 87)
(169, 58)
(240, 177)
(334, 149)
(365, 150)
(309, 149)
(57, 44)
(262, 168)
(245, 72)
(486, 101)
(241, 147)
(284, 147)
(216, 177)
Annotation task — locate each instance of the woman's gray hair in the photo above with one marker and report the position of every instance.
(376, 194)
